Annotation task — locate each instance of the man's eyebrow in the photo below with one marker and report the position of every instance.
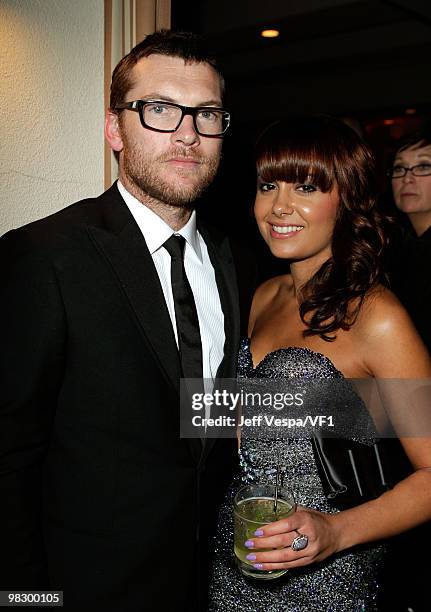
(165, 98)
(211, 103)
(157, 96)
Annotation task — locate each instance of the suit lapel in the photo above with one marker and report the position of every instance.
(123, 246)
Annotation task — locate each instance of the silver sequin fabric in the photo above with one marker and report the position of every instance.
(346, 582)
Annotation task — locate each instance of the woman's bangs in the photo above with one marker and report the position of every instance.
(295, 167)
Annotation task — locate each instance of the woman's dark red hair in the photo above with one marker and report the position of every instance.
(327, 152)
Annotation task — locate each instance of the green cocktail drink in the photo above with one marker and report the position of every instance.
(253, 507)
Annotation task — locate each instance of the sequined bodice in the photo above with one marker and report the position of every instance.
(259, 457)
(293, 361)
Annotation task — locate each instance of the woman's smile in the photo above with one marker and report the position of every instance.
(281, 232)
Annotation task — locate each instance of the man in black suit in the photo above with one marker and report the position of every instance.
(101, 496)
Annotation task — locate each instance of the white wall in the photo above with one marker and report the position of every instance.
(51, 106)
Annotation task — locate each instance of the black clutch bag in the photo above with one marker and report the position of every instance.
(354, 472)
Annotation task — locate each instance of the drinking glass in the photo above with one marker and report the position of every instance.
(253, 507)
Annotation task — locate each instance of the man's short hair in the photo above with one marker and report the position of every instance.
(185, 45)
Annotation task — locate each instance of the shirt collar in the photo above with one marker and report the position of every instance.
(154, 229)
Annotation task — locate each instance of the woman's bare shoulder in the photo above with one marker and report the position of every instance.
(382, 312)
(389, 340)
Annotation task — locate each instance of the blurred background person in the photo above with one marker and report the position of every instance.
(410, 279)
(410, 175)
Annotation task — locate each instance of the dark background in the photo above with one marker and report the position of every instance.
(367, 62)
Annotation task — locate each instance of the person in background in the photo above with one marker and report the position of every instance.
(410, 272)
(105, 305)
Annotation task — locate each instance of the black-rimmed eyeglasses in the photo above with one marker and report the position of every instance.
(418, 170)
(166, 116)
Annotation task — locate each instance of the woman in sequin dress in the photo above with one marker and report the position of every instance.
(329, 318)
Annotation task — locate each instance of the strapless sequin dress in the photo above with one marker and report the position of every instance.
(346, 582)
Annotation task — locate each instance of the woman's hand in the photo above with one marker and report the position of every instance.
(320, 528)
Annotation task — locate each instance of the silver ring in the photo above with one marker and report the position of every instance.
(300, 542)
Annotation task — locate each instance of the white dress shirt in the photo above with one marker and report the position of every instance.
(199, 271)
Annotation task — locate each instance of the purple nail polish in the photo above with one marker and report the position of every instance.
(258, 565)
(258, 532)
(251, 557)
(249, 544)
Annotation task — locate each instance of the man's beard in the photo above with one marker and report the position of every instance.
(143, 170)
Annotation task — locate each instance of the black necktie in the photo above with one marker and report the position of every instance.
(189, 338)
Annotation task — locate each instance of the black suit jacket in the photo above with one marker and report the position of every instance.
(100, 495)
